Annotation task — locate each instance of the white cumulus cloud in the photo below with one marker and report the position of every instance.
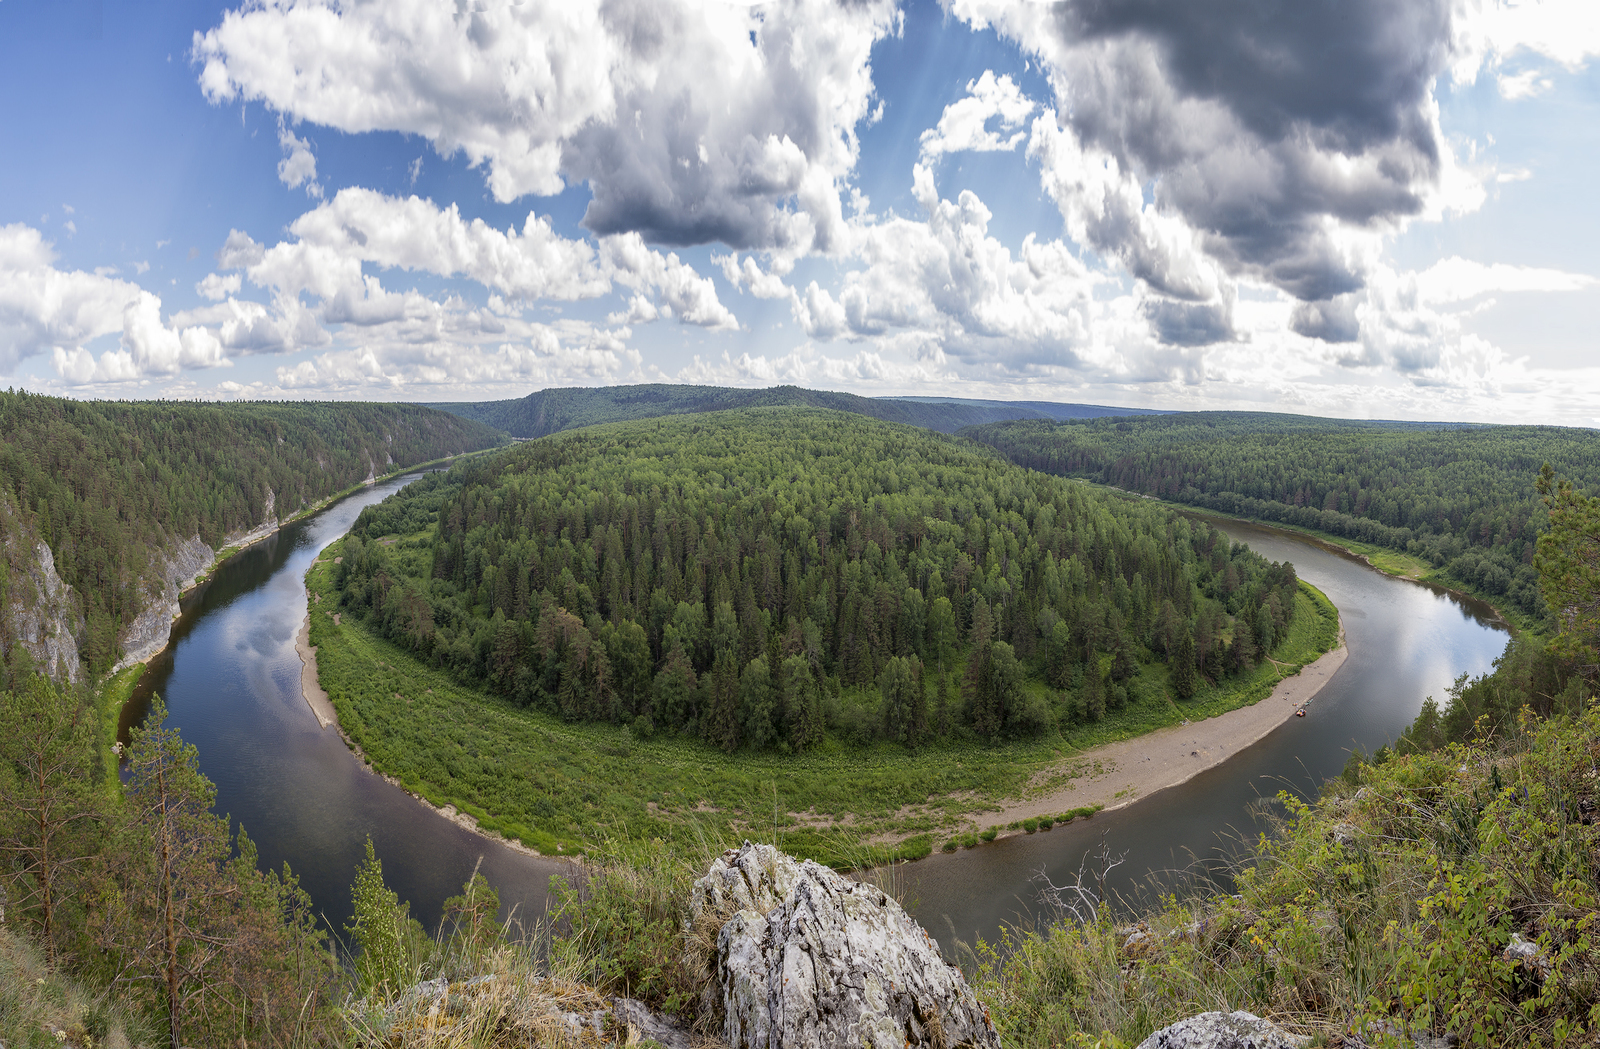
(298, 166)
(692, 122)
(47, 310)
(964, 125)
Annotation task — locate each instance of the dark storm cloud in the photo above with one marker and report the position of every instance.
(1189, 323)
(1331, 320)
(1262, 120)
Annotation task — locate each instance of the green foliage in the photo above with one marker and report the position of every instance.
(145, 903)
(625, 921)
(559, 786)
(1386, 907)
(385, 937)
(50, 807)
(1455, 497)
(1568, 562)
(567, 572)
(110, 485)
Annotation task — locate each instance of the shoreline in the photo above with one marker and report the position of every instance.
(1130, 770)
(310, 688)
(1121, 773)
(240, 543)
(316, 698)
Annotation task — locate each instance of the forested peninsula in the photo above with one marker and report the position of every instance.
(108, 508)
(780, 582)
(1457, 501)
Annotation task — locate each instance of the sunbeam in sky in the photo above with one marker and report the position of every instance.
(1354, 208)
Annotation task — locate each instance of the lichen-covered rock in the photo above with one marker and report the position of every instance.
(813, 959)
(754, 878)
(1235, 1030)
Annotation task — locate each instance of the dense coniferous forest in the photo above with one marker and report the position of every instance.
(109, 485)
(724, 575)
(551, 411)
(1460, 498)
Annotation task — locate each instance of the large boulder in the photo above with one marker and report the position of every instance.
(1235, 1030)
(805, 957)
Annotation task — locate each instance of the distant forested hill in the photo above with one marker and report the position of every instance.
(730, 575)
(1460, 497)
(112, 488)
(551, 411)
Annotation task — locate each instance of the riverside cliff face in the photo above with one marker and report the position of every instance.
(39, 611)
(174, 573)
(109, 510)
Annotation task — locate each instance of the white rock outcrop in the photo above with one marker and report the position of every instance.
(1235, 1030)
(149, 631)
(808, 958)
(44, 616)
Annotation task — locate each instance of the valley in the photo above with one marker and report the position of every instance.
(567, 644)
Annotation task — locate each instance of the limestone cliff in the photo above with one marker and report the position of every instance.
(40, 611)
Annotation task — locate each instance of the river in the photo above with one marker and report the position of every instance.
(1407, 641)
(230, 678)
(231, 682)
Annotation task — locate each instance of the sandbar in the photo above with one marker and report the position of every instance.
(1121, 773)
(316, 698)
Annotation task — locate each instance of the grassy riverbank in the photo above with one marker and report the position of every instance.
(559, 787)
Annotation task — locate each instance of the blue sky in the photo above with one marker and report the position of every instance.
(1349, 208)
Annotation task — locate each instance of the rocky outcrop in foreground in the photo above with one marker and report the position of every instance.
(805, 957)
(1236, 1030)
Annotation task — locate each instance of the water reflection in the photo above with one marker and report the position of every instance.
(231, 683)
(1407, 641)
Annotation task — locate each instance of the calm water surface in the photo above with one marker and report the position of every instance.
(1407, 641)
(231, 682)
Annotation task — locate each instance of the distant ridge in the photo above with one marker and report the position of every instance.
(551, 411)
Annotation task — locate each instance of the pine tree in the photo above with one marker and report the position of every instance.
(721, 726)
(802, 705)
(758, 704)
(944, 717)
(48, 803)
(1094, 693)
(176, 916)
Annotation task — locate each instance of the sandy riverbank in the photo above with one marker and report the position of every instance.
(317, 699)
(1119, 774)
(310, 688)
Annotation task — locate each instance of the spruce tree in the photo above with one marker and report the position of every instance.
(1185, 678)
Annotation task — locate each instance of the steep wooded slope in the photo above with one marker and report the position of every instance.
(110, 499)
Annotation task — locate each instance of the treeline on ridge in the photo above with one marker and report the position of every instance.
(760, 578)
(1458, 497)
(108, 484)
(545, 412)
